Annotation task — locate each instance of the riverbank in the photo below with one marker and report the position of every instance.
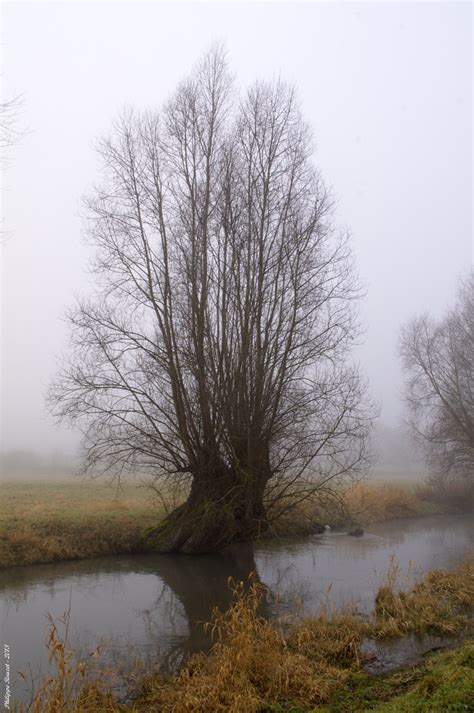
(43, 522)
(316, 665)
(366, 503)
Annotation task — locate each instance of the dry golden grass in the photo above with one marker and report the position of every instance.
(55, 542)
(255, 665)
(52, 521)
(366, 502)
(72, 687)
(376, 502)
(440, 604)
(334, 638)
(251, 665)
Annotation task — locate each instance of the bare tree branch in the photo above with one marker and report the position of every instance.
(215, 348)
(438, 358)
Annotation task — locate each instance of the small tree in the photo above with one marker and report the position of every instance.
(438, 357)
(214, 351)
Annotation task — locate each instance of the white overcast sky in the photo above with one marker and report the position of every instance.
(387, 88)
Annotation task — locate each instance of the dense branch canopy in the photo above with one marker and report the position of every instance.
(218, 336)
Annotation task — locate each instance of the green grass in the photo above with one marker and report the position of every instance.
(444, 684)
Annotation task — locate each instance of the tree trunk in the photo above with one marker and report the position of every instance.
(219, 511)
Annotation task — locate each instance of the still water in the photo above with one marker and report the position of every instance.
(154, 605)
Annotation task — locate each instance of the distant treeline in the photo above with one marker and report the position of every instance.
(393, 451)
(26, 461)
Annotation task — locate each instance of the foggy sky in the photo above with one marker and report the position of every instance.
(387, 89)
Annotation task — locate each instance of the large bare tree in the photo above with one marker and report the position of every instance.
(438, 357)
(214, 352)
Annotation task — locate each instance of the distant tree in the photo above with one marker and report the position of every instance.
(438, 357)
(214, 352)
(9, 133)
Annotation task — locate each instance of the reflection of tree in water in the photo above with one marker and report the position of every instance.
(15, 599)
(191, 586)
(195, 585)
(171, 615)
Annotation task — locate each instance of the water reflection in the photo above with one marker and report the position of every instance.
(155, 603)
(153, 606)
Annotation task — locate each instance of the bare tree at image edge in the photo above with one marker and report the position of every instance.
(9, 133)
(438, 358)
(214, 351)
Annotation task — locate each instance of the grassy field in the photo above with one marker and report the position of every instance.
(47, 521)
(312, 666)
(51, 521)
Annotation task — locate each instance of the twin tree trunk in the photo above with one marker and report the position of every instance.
(224, 506)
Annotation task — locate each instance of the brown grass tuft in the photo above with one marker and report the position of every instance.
(74, 685)
(335, 639)
(250, 666)
(440, 604)
(254, 665)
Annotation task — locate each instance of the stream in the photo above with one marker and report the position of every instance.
(153, 605)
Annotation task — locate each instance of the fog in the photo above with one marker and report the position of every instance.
(387, 89)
